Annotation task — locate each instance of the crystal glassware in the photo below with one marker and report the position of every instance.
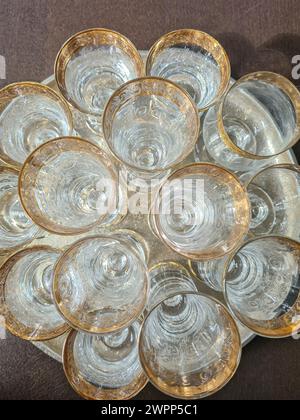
(263, 288)
(210, 272)
(105, 367)
(189, 346)
(68, 186)
(26, 294)
(166, 279)
(258, 119)
(201, 212)
(16, 229)
(194, 60)
(150, 125)
(101, 284)
(30, 115)
(90, 66)
(275, 205)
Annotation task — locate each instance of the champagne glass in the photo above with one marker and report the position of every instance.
(257, 120)
(104, 367)
(68, 186)
(201, 212)
(263, 288)
(30, 115)
(194, 60)
(90, 66)
(274, 195)
(16, 229)
(101, 284)
(26, 294)
(189, 346)
(150, 125)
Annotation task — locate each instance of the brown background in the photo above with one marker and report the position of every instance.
(258, 35)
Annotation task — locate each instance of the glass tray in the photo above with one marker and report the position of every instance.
(158, 252)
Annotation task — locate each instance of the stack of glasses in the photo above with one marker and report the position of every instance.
(208, 154)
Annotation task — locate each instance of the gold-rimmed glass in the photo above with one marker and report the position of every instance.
(201, 212)
(16, 228)
(150, 125)
(194, 60)
(274, 195)
(258, 119)
(90, 66)
(101, 283)
(189, 346)
(26, 294)
(30, 115)
(261, 284)
(68, 186)
(104, 367)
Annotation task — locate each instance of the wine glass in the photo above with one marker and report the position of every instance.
(263, 288)
(30, 115)
(189, 346)
(194, 60)
(26, 294)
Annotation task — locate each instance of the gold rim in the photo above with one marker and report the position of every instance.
(203, 256)
(288, 166)
(108, 163)
(84, 38)
(89, 391)
(112, 107)
(203, 40)
(283, 84)
(13, 325)
(15, 89)
(270, 329)
(83, 325)
(235, 359)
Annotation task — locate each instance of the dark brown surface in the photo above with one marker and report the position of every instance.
(258, 35)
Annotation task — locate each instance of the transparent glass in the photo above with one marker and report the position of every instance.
(263, 288)
(274, 195)
(90, 66)
(257, 119)
(166, 279)
(195, 61)
(202, 212)
(210, 272)
(68, 186)
(16, 229)
(26, 294)
(189, 346)
(150, 125)
(105, 367)
(30, 115)
(101, 284)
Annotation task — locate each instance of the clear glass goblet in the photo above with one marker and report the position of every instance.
(194, 60)
(189, 346)
(90, 66)
(101, 284)
(202, 212)
(257, 119)
(262, 288)
(16, 229)
(150, 125)
(30, 115)
(26, 294)
(274, 195)
(68, 186)
(105, 367)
